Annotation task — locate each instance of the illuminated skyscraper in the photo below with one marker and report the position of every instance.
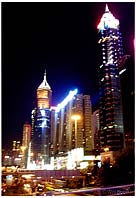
(25, 143)
(40, 141)
(26, 135)
(110, 110)
(71, 133)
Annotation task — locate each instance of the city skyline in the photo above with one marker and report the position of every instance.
(43, 40)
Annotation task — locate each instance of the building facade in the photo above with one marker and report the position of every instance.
(110, 107)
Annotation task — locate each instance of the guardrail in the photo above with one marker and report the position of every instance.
(109, 191)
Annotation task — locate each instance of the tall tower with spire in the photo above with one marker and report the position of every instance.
(40, 142)
(110, 106)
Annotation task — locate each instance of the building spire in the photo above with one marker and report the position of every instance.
(45, 75)
(44, 84)
(106, 8)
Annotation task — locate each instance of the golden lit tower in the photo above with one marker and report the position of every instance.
(26, 135)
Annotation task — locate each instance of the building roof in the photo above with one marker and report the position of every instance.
(108, 20)
(44, 84)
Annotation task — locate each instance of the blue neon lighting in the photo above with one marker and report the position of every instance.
(42, 112)
(44, 123)
(66, 100)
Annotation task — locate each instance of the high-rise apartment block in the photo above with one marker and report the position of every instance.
(110, 108)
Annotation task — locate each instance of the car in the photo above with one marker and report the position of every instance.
(49, 193)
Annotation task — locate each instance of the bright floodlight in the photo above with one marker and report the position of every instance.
(66, 100)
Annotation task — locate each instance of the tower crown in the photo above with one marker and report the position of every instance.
(108, 20)
(44, 84)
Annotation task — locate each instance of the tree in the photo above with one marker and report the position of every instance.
(121, 172)
(125, 166)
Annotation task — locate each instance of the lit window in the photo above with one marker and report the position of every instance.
(111, 75)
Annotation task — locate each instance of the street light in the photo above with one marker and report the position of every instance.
(75, 118)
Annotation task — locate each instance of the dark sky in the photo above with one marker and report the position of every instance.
(58, 36)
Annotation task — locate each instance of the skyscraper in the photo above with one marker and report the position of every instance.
(26, 135)
(110, 107)
(95, 129)
(25, 142)
(40, 141)
(73, 133)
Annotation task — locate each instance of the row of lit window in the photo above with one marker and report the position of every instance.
(107, 76)
(111, 31)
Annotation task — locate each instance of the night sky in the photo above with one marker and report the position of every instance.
(60, 37)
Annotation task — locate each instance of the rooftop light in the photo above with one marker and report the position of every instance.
(66, 100)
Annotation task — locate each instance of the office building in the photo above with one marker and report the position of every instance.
(40, 140)
(110, 108)
(26, 135)
(25, 143)
(95, 129)
(73, 127)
